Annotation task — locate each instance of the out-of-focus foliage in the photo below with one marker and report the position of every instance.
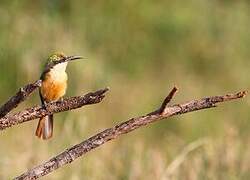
(140, 49)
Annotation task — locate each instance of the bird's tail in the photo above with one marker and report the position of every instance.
(44, 128)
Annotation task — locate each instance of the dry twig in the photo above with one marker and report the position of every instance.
(19, 97)
(97, 140)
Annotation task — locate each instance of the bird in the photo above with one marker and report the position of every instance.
(53, 88)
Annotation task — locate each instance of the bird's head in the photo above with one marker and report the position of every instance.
(54, 62)
(59, 59)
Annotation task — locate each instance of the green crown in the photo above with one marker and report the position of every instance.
(56, 57)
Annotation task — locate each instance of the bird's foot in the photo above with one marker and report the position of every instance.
(44, 106)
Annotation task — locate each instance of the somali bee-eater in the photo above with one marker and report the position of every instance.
(54, 85)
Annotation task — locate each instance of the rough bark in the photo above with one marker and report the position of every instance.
(69, 155)
(19, 97)
(51, 108)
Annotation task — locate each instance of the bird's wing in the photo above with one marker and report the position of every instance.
(41, 97)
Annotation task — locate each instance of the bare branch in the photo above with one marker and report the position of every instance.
(168, 99)
(165, 103)
(97, 140)
(19, 97)
(51, 108)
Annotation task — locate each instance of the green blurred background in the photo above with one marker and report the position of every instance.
(140, 49)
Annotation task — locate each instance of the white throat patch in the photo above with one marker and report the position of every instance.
(58, 72)
(60, 67)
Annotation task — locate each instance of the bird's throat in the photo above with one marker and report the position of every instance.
(60, 67)
(58, 72)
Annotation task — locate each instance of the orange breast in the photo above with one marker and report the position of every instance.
(53, 88)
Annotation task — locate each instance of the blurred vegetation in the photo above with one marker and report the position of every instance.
(140, 49)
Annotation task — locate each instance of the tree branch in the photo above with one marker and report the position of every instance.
(19, 97)
(97, 140)
(51, 108)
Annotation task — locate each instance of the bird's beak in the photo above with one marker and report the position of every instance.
(66, 59)
(71, 58)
